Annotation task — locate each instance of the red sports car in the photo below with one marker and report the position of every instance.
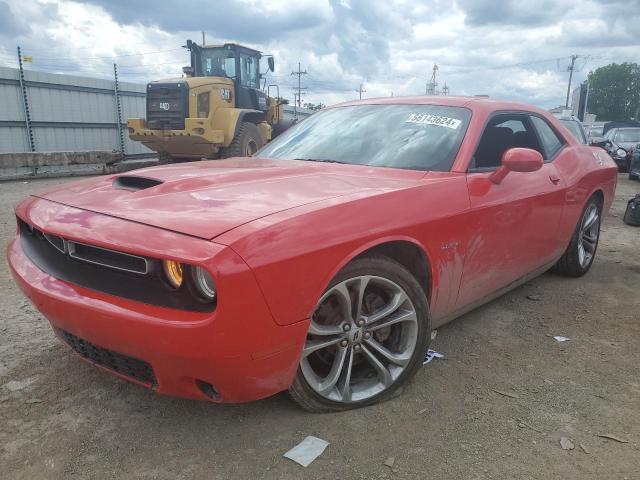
(320, 265)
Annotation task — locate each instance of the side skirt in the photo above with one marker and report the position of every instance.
(437, 322)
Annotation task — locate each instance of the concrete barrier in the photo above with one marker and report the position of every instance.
(16, 166)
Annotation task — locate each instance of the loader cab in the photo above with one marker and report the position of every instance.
(233, 61)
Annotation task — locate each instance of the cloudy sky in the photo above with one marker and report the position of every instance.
(510, 49)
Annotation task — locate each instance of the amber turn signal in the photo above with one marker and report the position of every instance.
(174, 271)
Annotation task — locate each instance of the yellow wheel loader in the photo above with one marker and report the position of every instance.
(217, 111)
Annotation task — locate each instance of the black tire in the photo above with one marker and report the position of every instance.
(246, 142)
(380, 266)
(570, 264)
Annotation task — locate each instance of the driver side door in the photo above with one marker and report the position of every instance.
(513, 224)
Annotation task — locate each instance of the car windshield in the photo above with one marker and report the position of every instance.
(218, 62)
(628, 135)
(595, 131)
(416, 137)
(575, 128)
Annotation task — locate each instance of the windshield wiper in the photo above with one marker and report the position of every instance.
(321, 160)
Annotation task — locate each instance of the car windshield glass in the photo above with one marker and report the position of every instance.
(575, 128)
(628, 135)
(218, 62)
(416, 137)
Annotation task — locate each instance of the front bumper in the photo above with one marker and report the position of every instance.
(622, 163)
(238, 349)
(634, 164)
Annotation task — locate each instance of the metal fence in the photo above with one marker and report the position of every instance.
(67, 113)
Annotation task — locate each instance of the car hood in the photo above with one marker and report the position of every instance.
(206, 199)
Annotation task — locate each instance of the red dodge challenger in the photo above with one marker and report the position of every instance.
(320, 265)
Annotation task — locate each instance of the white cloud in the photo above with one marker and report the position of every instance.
(389, 46)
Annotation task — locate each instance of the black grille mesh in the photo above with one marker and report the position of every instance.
(167, 105)
(122, 364)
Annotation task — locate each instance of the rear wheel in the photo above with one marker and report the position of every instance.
(579, 256)
(368, 336)
(246, 142)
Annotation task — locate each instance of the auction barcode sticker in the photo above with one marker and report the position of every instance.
(427, 119)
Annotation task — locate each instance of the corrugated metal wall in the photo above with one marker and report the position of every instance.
(68, 113)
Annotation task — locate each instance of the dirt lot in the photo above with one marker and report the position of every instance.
(61, 418)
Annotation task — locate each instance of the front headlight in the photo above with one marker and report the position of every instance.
(621, 152)
(174, 273)
(203, 281)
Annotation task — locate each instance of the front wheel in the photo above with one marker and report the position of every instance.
(580, 253)
(246, 142)
(368, 335)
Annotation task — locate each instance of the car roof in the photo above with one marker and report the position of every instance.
(473, 103)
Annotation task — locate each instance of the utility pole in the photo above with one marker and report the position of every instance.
(203, 39)
(445, 89)
(360, 91)
(299, 73)
(433, 84)
(25, 106)
(570, 68)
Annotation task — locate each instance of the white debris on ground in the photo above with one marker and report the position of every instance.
(307, 451)
(431, 354)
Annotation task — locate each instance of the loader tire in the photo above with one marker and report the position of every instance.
(246, 142)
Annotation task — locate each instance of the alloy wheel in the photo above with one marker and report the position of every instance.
(589, 233)
(362, 337)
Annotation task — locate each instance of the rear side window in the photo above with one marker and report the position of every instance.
(551, 143)
(575, 128)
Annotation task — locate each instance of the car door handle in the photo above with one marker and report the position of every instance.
(554, 179)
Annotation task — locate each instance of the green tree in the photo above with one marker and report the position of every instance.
(315, 107)
(614, 92)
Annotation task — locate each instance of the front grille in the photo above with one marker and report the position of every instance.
(117, 362)
(107, 258)
(167, 105)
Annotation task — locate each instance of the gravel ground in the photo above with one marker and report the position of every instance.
(61, 418)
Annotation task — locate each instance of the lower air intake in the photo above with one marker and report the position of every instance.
(122, 364)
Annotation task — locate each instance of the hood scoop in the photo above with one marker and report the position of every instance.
(135, 183)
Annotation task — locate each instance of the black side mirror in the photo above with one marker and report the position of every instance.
(271, 63)
(188, 70)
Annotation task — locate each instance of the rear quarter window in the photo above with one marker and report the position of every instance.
(551, 142)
